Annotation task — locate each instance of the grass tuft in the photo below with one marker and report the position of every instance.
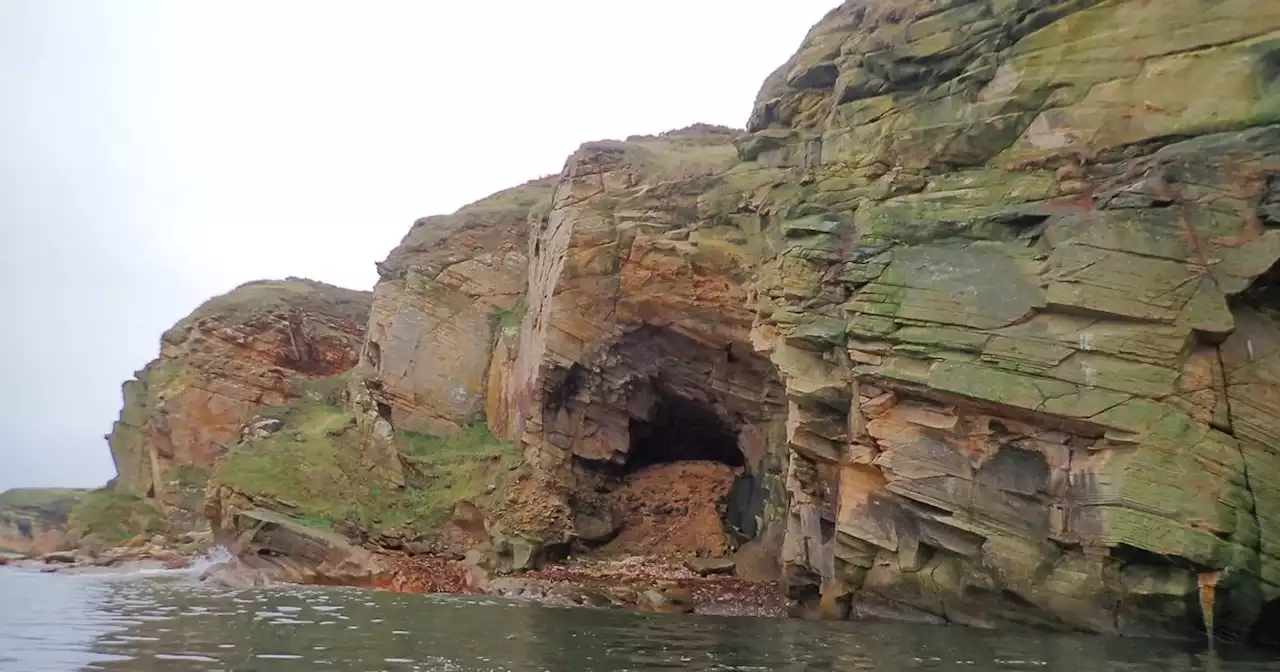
(312, 470)
(114, 517)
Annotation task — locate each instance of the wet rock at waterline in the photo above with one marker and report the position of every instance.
(974, 323)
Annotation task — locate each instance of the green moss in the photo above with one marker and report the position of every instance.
(190, 476)
(453, 469)
(114, 517)
(312, 470)
(302, 465)
(317, 522)
(532, 196)
(331, 391)
(681, 154)
(511, 317)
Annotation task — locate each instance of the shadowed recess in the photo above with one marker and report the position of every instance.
(682, 429)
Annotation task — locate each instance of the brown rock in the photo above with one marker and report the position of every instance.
(59, 557)
(451, 286)
(978, 318)
(260, 344)
(710, 566)
(270, 546)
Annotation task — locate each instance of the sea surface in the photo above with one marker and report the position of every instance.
(166, 620)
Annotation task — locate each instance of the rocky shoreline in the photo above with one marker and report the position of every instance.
(630, 583)
(154, 553)
(977, 319)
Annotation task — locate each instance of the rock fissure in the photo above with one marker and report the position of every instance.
(977, 318)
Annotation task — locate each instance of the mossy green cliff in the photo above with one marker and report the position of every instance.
(981, 308)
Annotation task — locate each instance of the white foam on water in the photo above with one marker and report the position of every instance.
(214, 556)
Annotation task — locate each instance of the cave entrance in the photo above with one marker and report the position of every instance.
(678, 451)
(683, 463)
(682, 430)
(1266, 630)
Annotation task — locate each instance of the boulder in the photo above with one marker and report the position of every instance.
(277, 548)
(261, 429)
(710, 566)
(667, 599)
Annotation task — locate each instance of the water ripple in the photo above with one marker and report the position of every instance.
(165, 622)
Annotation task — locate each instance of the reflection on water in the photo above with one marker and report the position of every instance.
(169, 622)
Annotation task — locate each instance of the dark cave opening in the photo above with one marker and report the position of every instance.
(676, 490)
(675, 443)
(681, 429)
(1266, 630)
(1263, 292)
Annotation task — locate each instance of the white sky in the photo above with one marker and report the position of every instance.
(154, 153)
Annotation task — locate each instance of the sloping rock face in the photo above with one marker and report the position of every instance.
(444, 296)
(255, 346)
(1027, 276)
(34, 520)
(268, 547)
(980, 309)
(635, 349)
(977, 319)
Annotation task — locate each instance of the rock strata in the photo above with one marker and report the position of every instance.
(979, 306)
(1026, 261)
(268, 547)
(974, 323)
(259, 345)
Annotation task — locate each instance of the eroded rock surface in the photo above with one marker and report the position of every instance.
(976, 322)
(445, 294)
(255, 346)
(635, 348)
(1028, 243)
(268, 547)
(986, 285)
(34, 520)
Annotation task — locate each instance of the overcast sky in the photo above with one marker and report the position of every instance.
(154, 153)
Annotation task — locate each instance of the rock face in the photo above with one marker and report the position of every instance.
(34, 520)
(269, 547)
(976, 321)
(980, 311)
(1027, 272)
(636, 347)
(253, 347)
(445, 295)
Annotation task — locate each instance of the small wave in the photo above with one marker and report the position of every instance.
(214, 556)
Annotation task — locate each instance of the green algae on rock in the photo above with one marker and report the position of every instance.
(979, 315)
(1041, 425)
(262, 343)
(304, 459)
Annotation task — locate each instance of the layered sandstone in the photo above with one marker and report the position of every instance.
(977, 319)
(1029, 263)
(253, 347)
(444, 296)
(980, 310)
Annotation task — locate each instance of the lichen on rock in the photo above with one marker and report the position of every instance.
(258, 345)
(1042, 240)
(975, 321)
(969, 307)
